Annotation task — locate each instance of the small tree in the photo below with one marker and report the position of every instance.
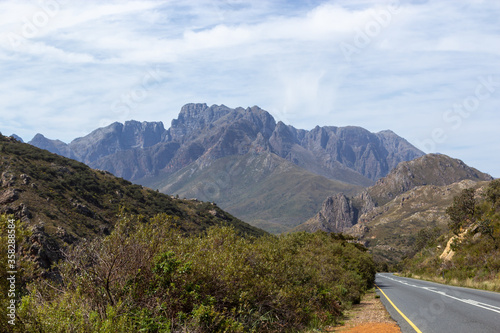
(486, 227)
(462, 211)
(493, 192)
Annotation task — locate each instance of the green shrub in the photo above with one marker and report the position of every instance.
(149, 277)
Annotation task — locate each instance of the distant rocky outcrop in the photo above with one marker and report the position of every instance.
(336, 215)
(54, 146)
(339, 213)
(17, 137)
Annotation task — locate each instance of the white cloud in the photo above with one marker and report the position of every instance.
(406, 69)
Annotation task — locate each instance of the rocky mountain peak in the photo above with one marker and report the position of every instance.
(350, 154)
(17, 137)
(54, 146)
(282, 139)
(262, 119)
(141, 134)
(117, 137)
(194, 117)
(146, 153)
(40, 140)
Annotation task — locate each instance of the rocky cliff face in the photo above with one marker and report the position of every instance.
(358, 149)
(194, 118)
(136, 150)
(336, 215)
(115, 138)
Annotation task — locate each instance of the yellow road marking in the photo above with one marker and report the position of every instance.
(399, 311)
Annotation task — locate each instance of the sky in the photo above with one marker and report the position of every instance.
(427, 70)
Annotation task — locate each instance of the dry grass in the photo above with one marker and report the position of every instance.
(490, 285)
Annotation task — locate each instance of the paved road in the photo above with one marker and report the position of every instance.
(436, 308)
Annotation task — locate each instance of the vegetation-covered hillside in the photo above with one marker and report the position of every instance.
(262, 188)
(392, 229)
(469, 252)
(149, 277)
(387, 216)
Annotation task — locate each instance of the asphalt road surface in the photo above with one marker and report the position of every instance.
(426, 307)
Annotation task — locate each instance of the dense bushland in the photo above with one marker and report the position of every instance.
(474, 230)
(151, 277)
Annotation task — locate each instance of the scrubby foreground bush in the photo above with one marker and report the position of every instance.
(149, 277)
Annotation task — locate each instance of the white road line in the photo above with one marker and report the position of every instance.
(442, 293)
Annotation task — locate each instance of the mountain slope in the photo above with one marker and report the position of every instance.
(431, 169)
(260, 188)
(413, 195)
(62, 201)
(469, 252)
(390, 231)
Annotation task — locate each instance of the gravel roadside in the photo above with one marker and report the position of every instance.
(370, 316)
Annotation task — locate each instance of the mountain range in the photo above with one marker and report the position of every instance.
(266, 172)
(375, 186)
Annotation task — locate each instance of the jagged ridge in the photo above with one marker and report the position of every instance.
(137, 150)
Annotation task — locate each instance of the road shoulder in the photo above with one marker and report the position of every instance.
(370, 316)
